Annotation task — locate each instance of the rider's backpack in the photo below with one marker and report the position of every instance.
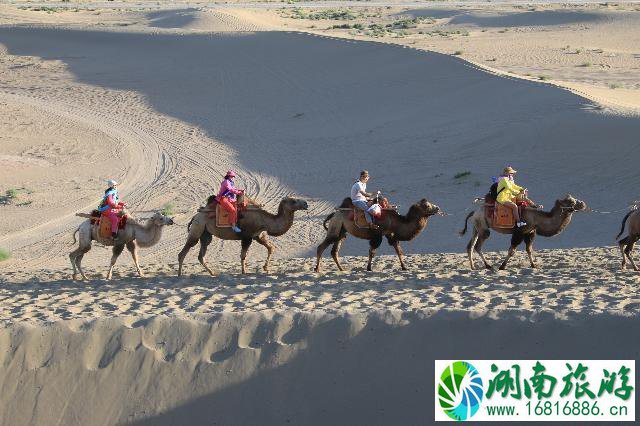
(493, 192)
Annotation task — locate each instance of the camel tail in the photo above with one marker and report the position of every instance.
(74, 235)
(189, 224)
(324, 224)
(624, 222)
(464, 231)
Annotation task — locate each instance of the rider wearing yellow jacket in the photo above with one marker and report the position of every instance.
(508, 191)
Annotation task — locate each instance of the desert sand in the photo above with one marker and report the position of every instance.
(165, 98)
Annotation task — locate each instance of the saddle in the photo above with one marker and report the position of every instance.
(500, 216)
(104, 224)
(357, 214)
(221, 215)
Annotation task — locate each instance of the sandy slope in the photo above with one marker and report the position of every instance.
(307, 368)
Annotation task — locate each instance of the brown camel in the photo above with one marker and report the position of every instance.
(627, 243)
(134, 235)
(256, 224)
(394, 227)
(539, 222)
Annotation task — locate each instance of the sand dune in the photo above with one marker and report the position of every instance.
(269, 368)
(414, 119)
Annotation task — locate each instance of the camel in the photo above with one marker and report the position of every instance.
(256, 224)
(395, 227)
(627, 243)
(539, 222)
(134, 235)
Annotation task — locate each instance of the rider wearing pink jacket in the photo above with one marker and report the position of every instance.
(227, 196)
(111, 206)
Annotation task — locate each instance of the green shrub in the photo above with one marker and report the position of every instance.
(461, 174)
(12, 194)
(168, 209)
(4, 254)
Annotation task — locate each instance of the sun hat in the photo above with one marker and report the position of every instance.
(509, 170)
(231, 173)
(112, 182)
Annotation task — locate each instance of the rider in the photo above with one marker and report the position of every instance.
(227, 198)
(359, 196)
(111, 207)
(508, 192)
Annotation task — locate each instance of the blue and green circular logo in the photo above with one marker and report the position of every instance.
(460, 390)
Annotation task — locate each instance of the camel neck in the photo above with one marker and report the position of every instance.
(148, 234)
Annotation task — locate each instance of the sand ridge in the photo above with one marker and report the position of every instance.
(570, 284)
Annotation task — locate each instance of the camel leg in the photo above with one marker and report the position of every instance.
(205, 240)
(133, 249)
(246, 243)
(478, 248)
(629, 252)
(72, 257)
(528, 240)
(183, 253)
(321, 248)
(516, 239)
(264, 240)
(335, 252)
(471, 246)
(396, 245)
(116, 252)
(622, 244)
(373, 245)
(76, 260)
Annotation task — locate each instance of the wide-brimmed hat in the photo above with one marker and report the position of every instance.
(112, 182)
(231, 173)
(509, 170)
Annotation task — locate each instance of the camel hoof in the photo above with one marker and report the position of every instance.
(74, 277)
(502, 267)
(489, 267)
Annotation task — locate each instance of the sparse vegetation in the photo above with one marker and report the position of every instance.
(12, 194)
(4, 254)
(586, 64)
(458, 52)
(460, 175)
(543, 77)
(168, 209)
(329, 14)
(615, 86)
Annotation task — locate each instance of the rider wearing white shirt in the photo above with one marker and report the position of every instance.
(359, 195)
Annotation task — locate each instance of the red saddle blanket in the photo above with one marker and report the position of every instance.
(213, 204)
(96, 215)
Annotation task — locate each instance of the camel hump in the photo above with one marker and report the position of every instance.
(346, 203)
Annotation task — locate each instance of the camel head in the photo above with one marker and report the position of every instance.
(571, 204)
(427, 209)
(294, 204)
(158, 219)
